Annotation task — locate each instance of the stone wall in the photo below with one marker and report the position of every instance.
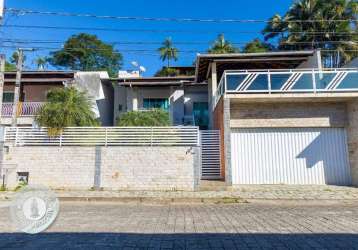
(115, 168)
(352, 131)
(288, 115)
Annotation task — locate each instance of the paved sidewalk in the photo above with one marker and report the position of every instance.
(237, 194)
(261, 225)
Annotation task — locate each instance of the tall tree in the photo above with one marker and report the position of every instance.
(168, 52)
(86, 52)
(257, 46)
(221, 46)
(41, 63)
(15, 57)
(317, 24)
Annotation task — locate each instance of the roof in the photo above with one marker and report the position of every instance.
(40, 76)
(155, 81)
(266, 60)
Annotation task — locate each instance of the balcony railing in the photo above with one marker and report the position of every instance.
(23, 109)
(287, 81)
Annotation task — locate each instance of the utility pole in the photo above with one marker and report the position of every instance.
(19, 63)
(2, 82)
(2, 7)
(19, 66)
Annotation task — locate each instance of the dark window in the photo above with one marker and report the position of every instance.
(157, 103)
(8, 97)
(201, 114)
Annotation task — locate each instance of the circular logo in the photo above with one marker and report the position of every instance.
(34, 209)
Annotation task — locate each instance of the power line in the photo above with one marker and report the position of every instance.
(25, 41)
(162, 19)
(170, 30)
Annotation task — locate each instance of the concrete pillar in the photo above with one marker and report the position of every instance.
(212, 87)
(227, 141)
(352, 134)
(214, 83)
(135, 99)
(211, 113)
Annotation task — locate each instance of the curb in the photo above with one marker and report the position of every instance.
(156, 200)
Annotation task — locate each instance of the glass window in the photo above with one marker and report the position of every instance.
(8, 97)
(201, 114)
(156, 103)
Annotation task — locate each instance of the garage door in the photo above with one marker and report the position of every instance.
(290, 156)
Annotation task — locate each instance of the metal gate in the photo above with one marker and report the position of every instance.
(210, 154)
(290, 156)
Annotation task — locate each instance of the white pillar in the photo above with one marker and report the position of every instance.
(135, 99)
(214, 83)
(212, 87)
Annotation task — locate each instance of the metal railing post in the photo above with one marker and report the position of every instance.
(61, 139)
(314, 82)
(16, 135)
(151, 136)
(269, 81)
(106, 137)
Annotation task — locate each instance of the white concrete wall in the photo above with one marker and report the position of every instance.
(116, 168)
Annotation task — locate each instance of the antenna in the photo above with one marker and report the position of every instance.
(135, 64)
(142, 69)
(2, 3)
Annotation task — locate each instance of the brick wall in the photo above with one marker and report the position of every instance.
(117, 168)
(288, 115)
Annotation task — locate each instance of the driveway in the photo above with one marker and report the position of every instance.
(259, 225)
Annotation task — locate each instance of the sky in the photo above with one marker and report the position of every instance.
(202, 33)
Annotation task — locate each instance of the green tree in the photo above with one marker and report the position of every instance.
(153, 118)
(167, 72)
(257, 46)
(317, 24)
(10, 67)
(86, 52)
(168, 52)
(66, 107)
(41, 63)
(15, 57)
(221, 46)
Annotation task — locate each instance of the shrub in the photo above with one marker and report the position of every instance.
(153, 118)
(66, 107)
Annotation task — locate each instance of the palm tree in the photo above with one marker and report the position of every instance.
(15, 57)
(168, 52)
(41, 63)
(221, 46)
(317, 24)
(66, 107)
(256, 46)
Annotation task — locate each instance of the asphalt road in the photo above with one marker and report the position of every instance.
(265, 225)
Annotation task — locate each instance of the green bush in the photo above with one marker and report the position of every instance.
(153, 118)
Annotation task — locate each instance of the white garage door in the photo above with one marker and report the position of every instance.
(290, 156)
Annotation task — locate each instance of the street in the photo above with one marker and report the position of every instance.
(259, 225)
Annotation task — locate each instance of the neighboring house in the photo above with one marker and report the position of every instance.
(186, 101)
(283, 119)
(33, 91)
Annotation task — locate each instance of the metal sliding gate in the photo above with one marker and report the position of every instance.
(210, 154)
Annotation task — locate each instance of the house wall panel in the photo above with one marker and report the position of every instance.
(288, 115)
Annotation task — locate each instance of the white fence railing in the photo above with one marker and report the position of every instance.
(23, 108)
(104, 136)
(287, 81)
